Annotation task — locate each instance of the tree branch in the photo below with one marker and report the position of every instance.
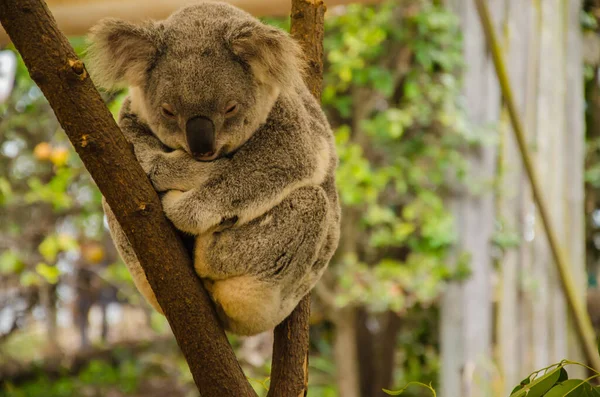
(289, 374)
(62, 77)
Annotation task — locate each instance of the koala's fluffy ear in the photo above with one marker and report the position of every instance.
(121, 52)
(274, 57)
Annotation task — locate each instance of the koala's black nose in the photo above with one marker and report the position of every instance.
(200, 135)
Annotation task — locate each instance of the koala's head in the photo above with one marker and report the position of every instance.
(204, 80)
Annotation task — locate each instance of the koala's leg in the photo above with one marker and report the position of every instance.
(128, 256)
(258, 272)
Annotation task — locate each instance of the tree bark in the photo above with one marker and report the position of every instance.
(289, 375)
(376, 351)
(307, 27)
(63, 79)
(345, 352)
(48, 301)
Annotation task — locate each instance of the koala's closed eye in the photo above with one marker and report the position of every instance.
(167, 111)
(231, 109)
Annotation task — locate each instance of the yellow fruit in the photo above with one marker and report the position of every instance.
(59, 156)
(93, 253)
(42, 151)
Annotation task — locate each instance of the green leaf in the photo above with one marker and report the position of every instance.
(115, 105)
(49, 273)
(572, 387)
(563, 375)
(540, 385)
(6, 192)
(10, 263)
(28, 279)
(516, 389)
(49, 248)
(66, 242)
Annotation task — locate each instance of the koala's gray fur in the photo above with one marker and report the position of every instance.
(263, 207)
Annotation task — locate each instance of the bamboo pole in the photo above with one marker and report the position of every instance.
(583, 324)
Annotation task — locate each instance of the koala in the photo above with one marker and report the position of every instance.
(239, 150)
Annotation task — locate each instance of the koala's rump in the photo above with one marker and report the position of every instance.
(258, 272)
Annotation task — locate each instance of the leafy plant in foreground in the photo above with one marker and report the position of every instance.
(553, 381)
(398, 392)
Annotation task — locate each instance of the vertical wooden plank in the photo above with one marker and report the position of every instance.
(528, 211)
(517, 50)
(545, 124)
(574, 146)
(553, 109)
(550, 313)
(574, 141)
(451, 341)
(543, 51)
(467, 309)
(560, 309)
(452, 354)
(558, 330)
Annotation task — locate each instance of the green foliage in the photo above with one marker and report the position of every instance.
(553, 381)
(49, 273)
(53, 244)
(48, 201)
(99, 376)
(588, 21)
(505, 237)
(392, 92)
(401, 391)
(393, 284)
(592, 171)
(53, 191)
(10, 263)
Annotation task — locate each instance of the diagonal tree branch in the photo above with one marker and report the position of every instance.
(63, 79)
(289, 374)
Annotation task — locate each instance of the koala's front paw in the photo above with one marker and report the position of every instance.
(147, 159)
(147, 165)
(169, 172)
(188, 213)
(161, 179)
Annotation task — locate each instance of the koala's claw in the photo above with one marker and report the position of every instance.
(227, 223)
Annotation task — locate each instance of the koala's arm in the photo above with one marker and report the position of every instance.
(255, 179)
(145, 144)
(167, 169)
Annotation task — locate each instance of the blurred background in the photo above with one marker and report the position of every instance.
(443, 273)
